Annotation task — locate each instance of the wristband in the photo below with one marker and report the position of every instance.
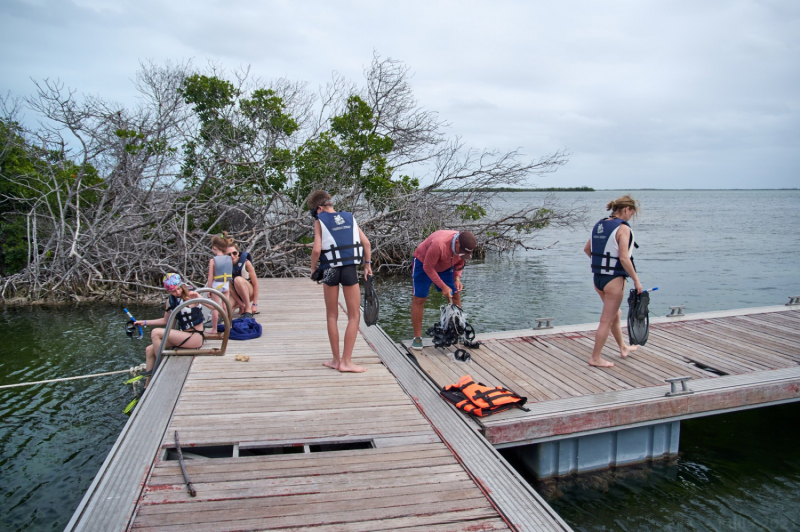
(145, 323)
(367, 262)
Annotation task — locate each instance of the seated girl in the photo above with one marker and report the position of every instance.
(190, 323)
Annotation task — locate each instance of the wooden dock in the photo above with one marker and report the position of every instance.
(737, 359)
(283, 443)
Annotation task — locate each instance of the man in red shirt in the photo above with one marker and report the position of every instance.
(438, 260)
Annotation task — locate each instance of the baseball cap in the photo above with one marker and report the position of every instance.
(467, 243)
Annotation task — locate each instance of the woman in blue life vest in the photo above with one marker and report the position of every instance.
(610, 249)
(190, 322)
(339, 247)
(244, 285)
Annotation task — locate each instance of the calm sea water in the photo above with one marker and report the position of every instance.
(708, 250)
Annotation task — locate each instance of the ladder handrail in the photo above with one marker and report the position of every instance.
(201, 301)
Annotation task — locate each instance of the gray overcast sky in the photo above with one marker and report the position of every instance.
(661, 94)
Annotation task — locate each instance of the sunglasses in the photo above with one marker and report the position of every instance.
(234, 253)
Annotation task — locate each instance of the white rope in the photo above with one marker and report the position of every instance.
(130, 370)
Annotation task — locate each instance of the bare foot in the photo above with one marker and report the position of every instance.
(601, 363)
(351, 368)
(331, 364)
(628, 349)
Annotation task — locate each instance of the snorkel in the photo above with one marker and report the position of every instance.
(130, 326)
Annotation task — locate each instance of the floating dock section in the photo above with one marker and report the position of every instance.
(281, 442)
(584, 418)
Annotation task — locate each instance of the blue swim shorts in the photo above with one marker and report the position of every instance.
(422, 283)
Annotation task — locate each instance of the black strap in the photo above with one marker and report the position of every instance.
(333, 250)
(201, 333)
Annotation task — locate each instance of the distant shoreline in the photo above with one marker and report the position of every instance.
(509, 189)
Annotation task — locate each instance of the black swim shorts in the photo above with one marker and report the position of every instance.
(343, 275)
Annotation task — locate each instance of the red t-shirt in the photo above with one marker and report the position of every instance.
(436, 255)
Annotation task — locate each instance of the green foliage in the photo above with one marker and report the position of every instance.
(471, 212)
(266, 110)
(136, 143)
(352, 153)
(28, 175)
(226, 132)
(208, 94)
(541, 219)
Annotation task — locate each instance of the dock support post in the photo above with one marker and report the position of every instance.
(600, 451)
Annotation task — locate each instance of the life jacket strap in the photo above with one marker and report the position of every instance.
(335, 250)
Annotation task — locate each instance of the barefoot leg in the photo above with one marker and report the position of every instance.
(616, 331)
(612, 299)
(332, 314)
(352, 298)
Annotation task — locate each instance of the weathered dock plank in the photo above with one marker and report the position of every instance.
(282, 442)
(736, 360)
(111, 499)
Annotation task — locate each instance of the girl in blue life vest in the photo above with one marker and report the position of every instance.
(220, 271)
(610, 249)
(339, 247)
(190, 322)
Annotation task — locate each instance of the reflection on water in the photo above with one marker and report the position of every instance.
(54, 437)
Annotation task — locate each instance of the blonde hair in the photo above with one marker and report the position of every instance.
(317, 199)
(623, 202)
(222, 242)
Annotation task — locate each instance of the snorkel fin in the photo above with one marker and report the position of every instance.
(638, 317)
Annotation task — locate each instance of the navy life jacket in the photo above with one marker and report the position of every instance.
(605, 249)
(238, 268)
(188, 317)
(341, 242)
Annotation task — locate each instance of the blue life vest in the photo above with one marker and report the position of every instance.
(238, 268)
(223, 266)
(188, 317)
(605, 248)
(341, 242)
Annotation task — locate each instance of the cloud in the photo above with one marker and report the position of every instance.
(644, 94)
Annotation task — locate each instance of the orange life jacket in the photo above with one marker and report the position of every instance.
(481, 400)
